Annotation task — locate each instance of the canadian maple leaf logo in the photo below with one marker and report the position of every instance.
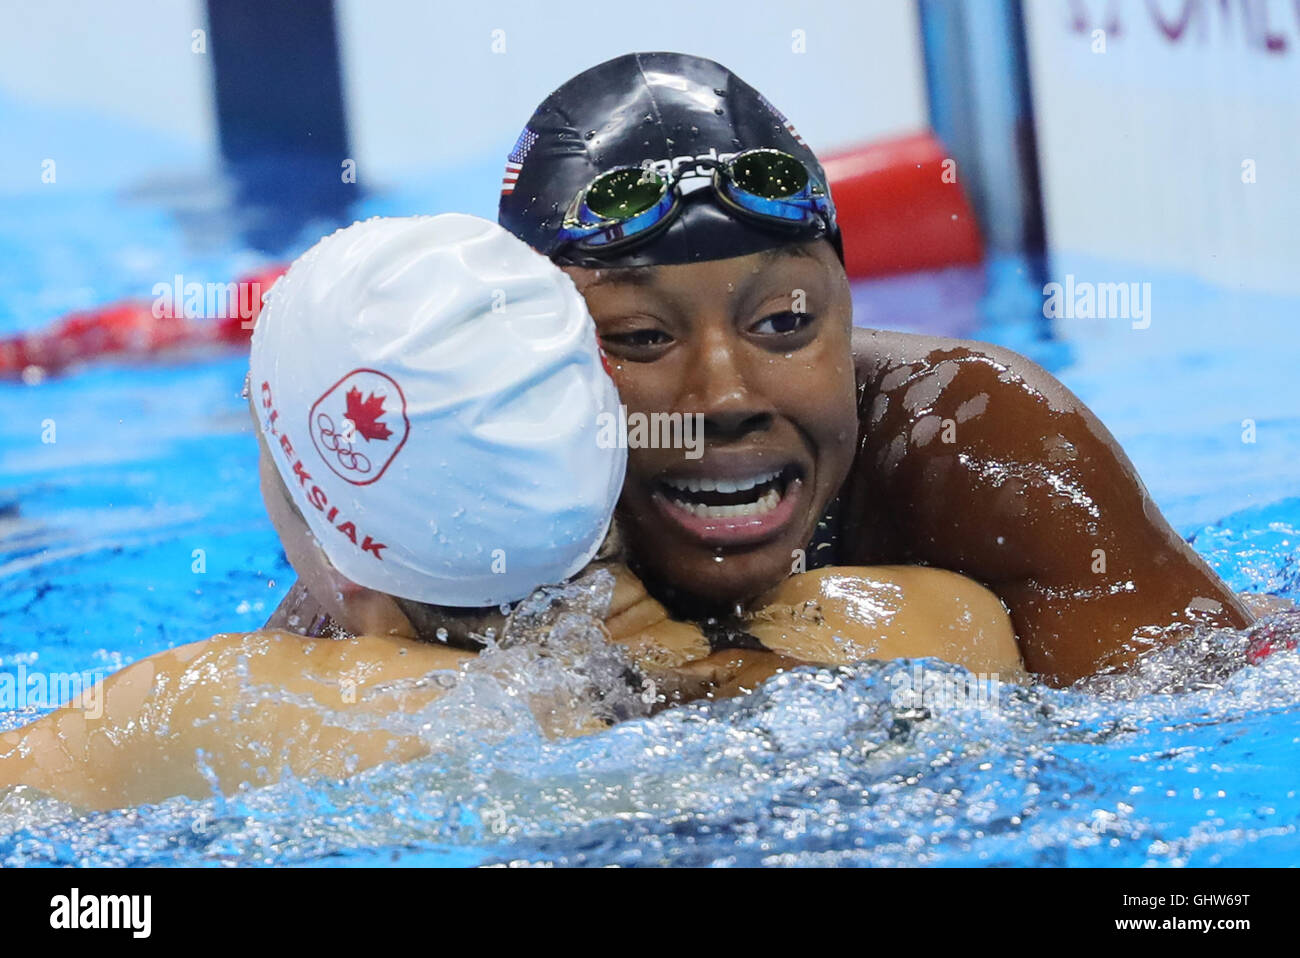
(362, 395)
(365, 415)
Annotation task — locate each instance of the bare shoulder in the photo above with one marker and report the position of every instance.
(879, 350)
(985, 460)
(842, 614)
(973, 458)
(943, 367)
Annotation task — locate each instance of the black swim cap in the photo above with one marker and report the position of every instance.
(666, 108)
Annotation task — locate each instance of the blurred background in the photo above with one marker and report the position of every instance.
(1142, 114)
(150, 144)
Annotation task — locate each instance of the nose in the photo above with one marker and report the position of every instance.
(719, 387)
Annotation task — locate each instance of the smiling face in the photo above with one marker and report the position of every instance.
(759, 346)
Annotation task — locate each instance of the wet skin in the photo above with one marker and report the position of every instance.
(775, 388)
(949, 453)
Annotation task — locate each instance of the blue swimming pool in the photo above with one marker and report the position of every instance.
(100, 530)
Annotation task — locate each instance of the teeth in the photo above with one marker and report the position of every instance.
(721, 485)
(764, 504)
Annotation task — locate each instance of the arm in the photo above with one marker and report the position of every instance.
(250, 704)
(840, 615)
(831, 616)
(235, 710)
(975, 459)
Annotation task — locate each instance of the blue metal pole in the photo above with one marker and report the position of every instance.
(977, 80)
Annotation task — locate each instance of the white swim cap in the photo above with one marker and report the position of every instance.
(431, 391)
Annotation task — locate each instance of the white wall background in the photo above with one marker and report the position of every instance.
(1142, 146)
(424, 89)
(111, 91)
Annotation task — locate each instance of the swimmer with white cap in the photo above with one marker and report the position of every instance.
(428, 395)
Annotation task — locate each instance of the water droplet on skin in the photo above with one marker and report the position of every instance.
(719, 91)
(695, 131)
(441, 634)
(718, 110)
(719, 559)
(589, 134)
(648, 119)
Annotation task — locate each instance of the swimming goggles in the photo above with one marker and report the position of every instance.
(629, 203)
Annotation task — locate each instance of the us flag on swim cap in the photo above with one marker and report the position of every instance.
(781, 116)
(515, 161)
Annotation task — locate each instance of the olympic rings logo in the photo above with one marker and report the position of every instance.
(340, 443)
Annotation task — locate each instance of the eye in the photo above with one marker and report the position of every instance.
(639, 337)
(636, 344)
(782, 324)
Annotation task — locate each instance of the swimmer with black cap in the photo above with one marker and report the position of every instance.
(701, 230)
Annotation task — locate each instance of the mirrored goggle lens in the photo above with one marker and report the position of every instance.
(771, 175)
(622, 194)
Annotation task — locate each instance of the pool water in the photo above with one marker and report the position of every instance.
(140, 527)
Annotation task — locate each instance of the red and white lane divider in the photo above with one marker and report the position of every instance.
(900, 208)
(132, 329)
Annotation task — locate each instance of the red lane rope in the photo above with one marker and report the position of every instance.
(898, 210)
(132, 329)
